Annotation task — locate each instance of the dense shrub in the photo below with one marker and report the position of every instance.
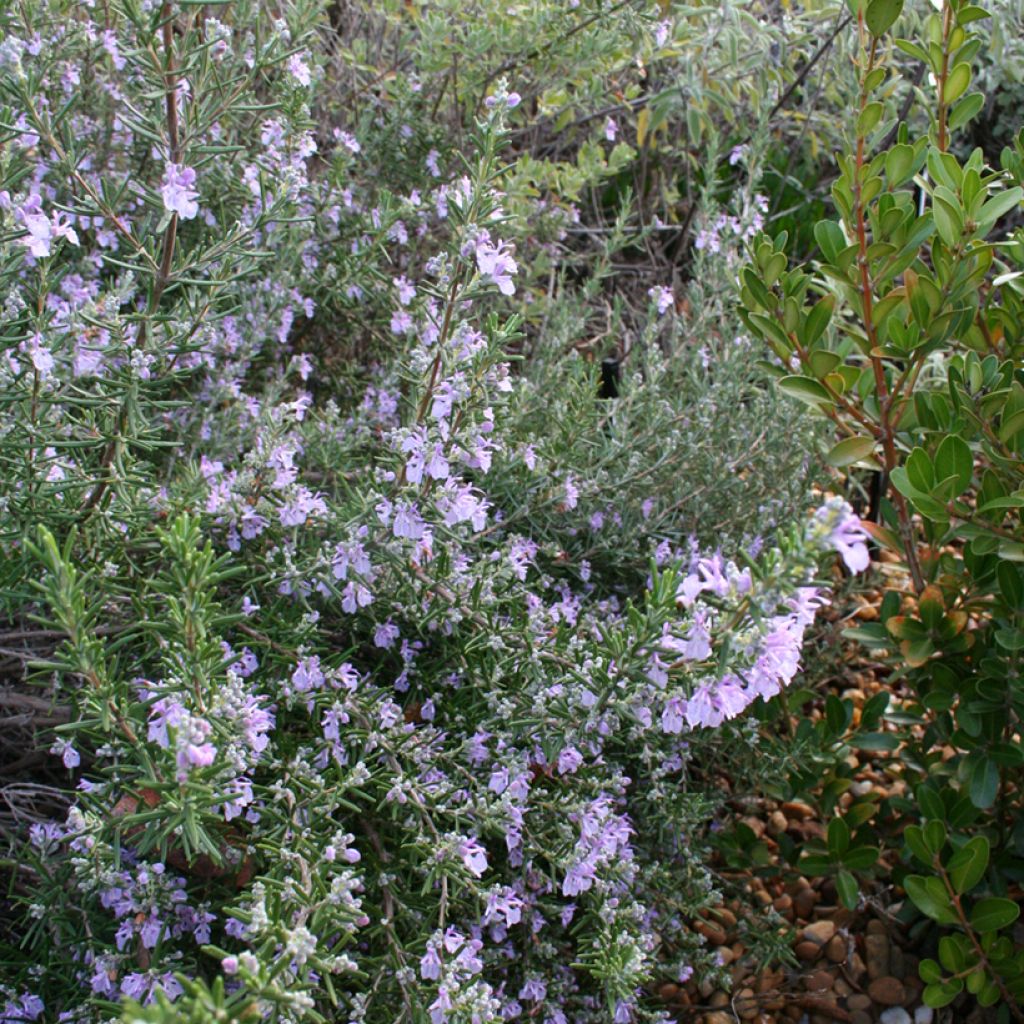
(398, 535)
(908, 335)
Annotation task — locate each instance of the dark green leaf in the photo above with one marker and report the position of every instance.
(881, 15)
(994, 913)
(967, 866)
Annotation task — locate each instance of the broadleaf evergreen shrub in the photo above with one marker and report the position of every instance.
(908, 337)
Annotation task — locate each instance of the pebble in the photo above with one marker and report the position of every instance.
(876, 955)
(783, 903)
(819, 981)
(668, 991)
(836, 949)
(887, 991)
(859, 1001)
(711, 932)
(841, 988)
(895, 1015)
(800, 811)
(803, 902)
(719, 1018)
(726, 917)
(719, 999)
(777, 823)
(820, 932)
(857, 967)
(746, 1004)
(924, 1015)
(860, 1017)
(808, 950)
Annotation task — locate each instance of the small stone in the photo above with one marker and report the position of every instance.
(777, 823)
(797, 810)
(668, 991)
(897, 965)
(756, 825)
(712, 932)
(719, 999)
(895, 1015)
(746, 1004)
(820, 932)
(856, 967)
(719, 1018)
(819, 981)
(841, 987)
(924, 1015)
(876, 927)
(860, 1017)
(803, 903)
(876, 955)
(836, 949)
(725, 956)
(783, 903)
(808, 950)
(726, 918)
(887, 991)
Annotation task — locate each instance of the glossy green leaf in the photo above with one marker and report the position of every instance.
(954, 459)
(991, 914)
(806, 389)
(930, 897)
(968, 865)
(850, 450)
(881, 15)
(846, 886)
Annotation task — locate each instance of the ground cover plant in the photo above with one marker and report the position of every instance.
(408, 565)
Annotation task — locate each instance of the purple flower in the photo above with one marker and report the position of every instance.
(496, 263)
(42, 231)
(474, 856)
(848, 537)
(177, 191)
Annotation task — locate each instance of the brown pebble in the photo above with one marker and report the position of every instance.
(856, 967)
(719, 1018)
(835, 950)
(726, 917)
(887, 991)
(876, 927)
(719, 999)
(803, 902)
(819, 981)
(859, 1001)
(756, 825)
(897, 968)
(820, 932)
(746, 1004)
(712, 932)
(841, 988)
(861, 1017)
(800, 811)
(876, 955)
(808, 950)
(777, 823)
(668, 991)
(783, 903)
(792, 1012)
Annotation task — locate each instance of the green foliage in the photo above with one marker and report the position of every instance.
(908, 337)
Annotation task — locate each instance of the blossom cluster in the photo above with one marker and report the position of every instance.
(385, 714)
